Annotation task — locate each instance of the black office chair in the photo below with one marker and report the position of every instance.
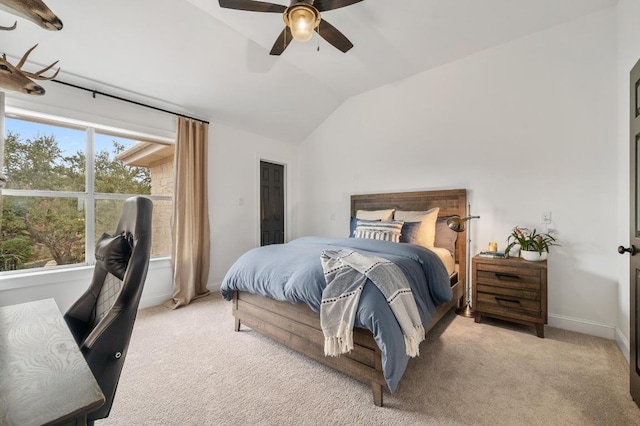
(102, 319)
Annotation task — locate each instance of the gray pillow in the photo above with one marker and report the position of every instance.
(445, 236)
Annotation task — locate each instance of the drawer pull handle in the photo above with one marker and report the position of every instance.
(512, 301)
(510, 276)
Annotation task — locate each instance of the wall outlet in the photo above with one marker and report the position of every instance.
(545, 217)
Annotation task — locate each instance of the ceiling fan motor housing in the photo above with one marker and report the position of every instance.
(302, 18)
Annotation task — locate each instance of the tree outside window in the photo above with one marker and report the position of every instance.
(45, 219)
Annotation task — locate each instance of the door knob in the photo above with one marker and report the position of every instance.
(631, 250)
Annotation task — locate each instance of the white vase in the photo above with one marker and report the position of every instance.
(533, 256)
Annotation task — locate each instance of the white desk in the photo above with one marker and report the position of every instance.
(44, 379)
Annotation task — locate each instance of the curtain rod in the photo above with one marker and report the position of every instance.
(97, 92)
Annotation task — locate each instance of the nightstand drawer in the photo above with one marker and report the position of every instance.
(509, 292)
(505, 305)
(508, 277)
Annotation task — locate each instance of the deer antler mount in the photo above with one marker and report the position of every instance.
(13, 27)
(33, 10)
(14, 78)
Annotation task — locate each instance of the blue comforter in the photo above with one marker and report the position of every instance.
(292, 272)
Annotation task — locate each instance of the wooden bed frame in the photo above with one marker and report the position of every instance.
(298, 327)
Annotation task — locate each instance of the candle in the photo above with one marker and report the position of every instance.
(493, 246)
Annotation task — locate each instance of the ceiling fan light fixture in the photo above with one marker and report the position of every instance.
(302, 20)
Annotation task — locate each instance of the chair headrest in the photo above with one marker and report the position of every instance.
(113, 253)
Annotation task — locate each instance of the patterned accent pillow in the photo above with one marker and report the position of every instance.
(387, 231)
(354, 224)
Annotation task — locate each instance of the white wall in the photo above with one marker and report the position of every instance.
(526, 127)
(234, 159)
(628, 54)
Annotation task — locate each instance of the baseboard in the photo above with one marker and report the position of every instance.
(623, 345)
(214, 286)
(594, 329)
(147, 302)
(583, 326)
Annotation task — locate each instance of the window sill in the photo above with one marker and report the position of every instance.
(40, 277)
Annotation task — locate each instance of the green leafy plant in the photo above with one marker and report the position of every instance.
(530, 240)
(14, 253)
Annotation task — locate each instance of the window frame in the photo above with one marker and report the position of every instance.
(88, 196)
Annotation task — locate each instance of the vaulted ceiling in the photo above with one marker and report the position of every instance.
(214, 63)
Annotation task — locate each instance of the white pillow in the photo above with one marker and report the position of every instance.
(427, 233)
(383, 215)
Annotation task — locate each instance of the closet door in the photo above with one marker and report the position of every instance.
(271, 203)
(634, 238)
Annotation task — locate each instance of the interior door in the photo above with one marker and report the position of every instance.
(271, 203)
(634, 291)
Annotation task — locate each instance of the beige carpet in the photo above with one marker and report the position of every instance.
(188, 367)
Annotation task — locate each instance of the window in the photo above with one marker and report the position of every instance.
(66, 184)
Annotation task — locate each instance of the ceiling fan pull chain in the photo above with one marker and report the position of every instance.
(318, 39)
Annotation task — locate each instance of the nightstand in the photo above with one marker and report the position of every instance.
(510, 289)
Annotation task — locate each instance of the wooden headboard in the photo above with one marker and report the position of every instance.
(452, 202)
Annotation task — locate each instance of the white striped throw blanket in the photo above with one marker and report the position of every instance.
(346, 273)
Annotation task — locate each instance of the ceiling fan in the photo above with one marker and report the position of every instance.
(301, 18)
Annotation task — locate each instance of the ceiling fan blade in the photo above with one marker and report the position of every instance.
(324, 5)
(333, 36)
(282, 42)
(252, 6)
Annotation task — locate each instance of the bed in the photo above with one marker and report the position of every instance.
(298, 326)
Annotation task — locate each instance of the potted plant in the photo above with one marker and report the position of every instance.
(533, 246)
